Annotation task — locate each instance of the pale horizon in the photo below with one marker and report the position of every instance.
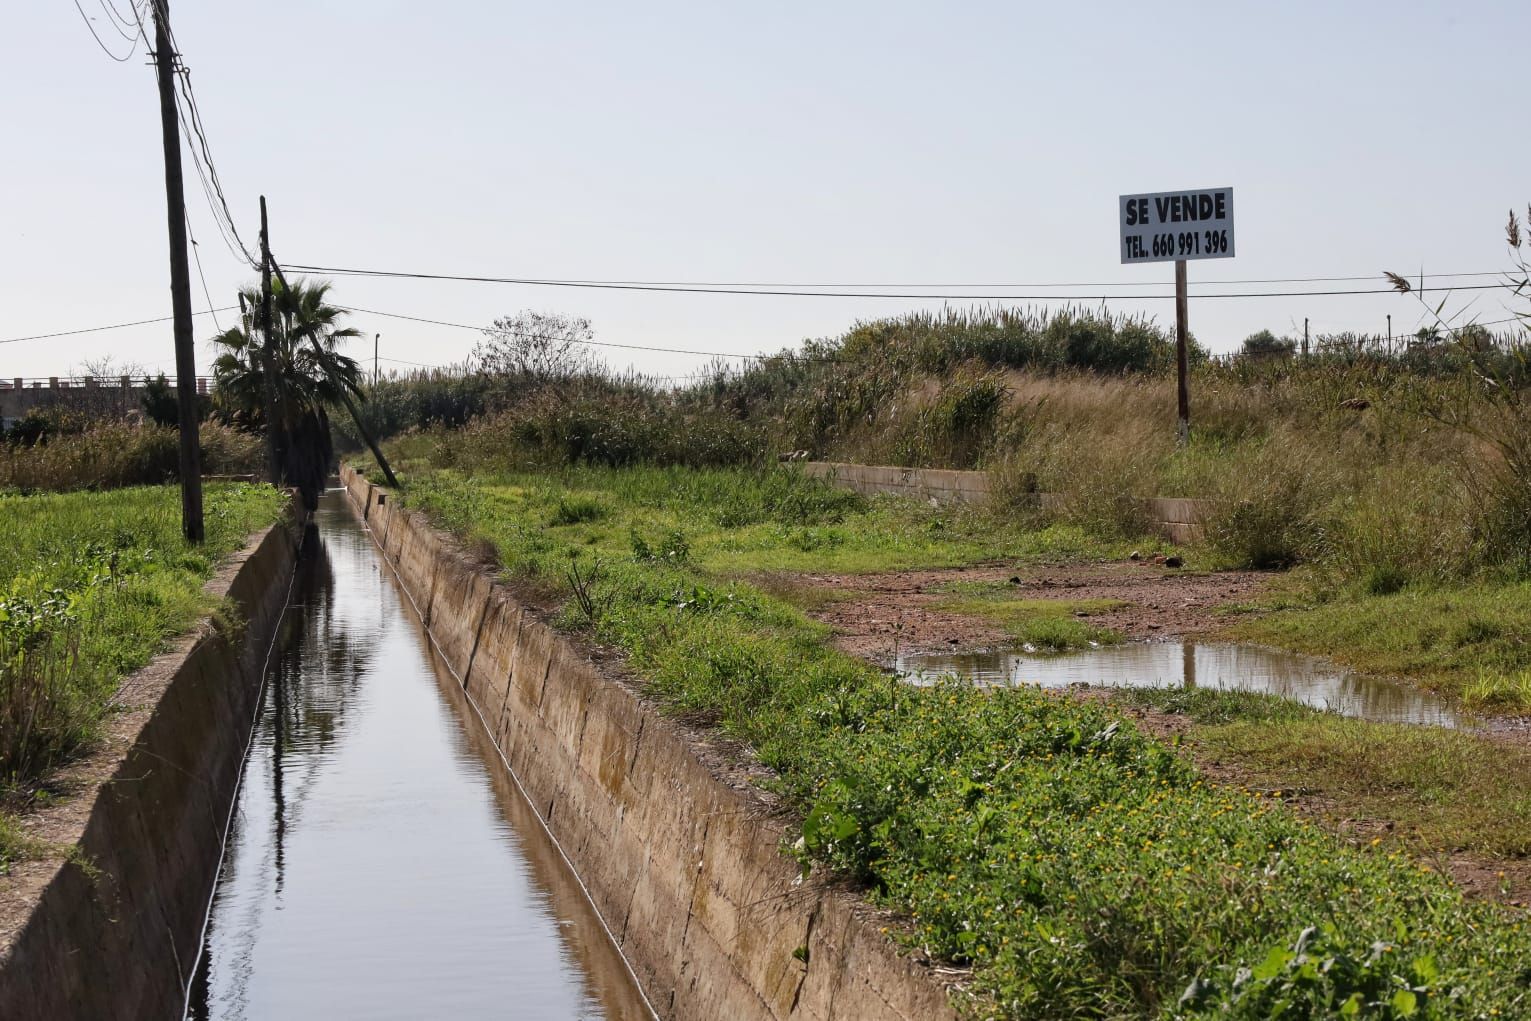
(855, 144)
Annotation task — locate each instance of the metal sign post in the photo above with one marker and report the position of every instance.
(1177, 226)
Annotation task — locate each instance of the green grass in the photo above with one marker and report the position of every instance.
(1081, 869)
(15, 844)
(1443, 790)
(736, 523)
(1050, 625)
(1471, 642)
(92, 585)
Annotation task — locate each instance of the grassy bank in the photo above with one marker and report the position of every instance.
(1471, 642)
(1080, 868)
(92, 585)
(1426, 790)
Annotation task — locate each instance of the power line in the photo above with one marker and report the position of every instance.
(201, 136)
(104, 48)
(198, 256)
(115, 19)
(190, 117)
(974, 286)
(113, 326)
(515, 333)
(127, 23)
(796, 293)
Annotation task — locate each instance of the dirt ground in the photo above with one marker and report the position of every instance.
(872, 613)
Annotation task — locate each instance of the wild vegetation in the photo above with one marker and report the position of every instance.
(1433, 791)
(105, 454)
(91, 586)
(1080, 868)
(1375, 468)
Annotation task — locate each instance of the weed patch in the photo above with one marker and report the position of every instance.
(91, 586)
(1049, 625)
(1442, 790)
(1082, 869)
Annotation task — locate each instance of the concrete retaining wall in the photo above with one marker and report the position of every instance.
(118, 937)
(682, 860)
(1179, 520)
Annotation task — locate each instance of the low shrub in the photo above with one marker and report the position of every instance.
(108, 455)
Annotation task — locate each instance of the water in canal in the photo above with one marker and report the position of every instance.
(379, 863)
(1303, 679)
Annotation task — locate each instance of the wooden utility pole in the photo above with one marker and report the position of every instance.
(180, 280)
(375, 338)
(1182, 359)
(269, 395)
(1305, 336)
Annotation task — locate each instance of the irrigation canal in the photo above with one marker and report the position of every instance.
(381, 863)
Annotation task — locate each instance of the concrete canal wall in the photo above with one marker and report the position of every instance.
(1179, 520)
(679, 852)
(114, 932)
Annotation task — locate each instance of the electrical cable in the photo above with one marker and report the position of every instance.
(96, 36)
(654, 288)
(198, 256)
(114, 18)
(190, 117)
(199, 130)
(514, 333)
(113, 326)
(976, 286)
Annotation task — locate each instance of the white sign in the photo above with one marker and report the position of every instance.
(1171, 225)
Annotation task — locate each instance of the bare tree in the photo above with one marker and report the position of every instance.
(108, 369)
(536, 347)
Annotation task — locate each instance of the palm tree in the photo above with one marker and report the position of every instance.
(311, 376)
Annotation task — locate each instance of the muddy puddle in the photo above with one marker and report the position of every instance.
(380, 864)
(1304, 679)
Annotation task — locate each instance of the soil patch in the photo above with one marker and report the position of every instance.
(873, 613)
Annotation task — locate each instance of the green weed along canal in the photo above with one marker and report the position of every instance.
(379, 864)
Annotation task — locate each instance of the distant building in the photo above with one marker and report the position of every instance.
(99, 398)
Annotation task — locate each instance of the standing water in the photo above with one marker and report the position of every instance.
(1305, 679)
(380, 863)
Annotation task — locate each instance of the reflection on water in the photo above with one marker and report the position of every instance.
(1303, 679)
(379, 866)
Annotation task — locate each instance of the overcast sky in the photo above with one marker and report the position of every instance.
(784, 143)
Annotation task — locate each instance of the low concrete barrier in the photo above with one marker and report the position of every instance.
(680, 854)
(1179, 520)
(940, 484)
(114, 931)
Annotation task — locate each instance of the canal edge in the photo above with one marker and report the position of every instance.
(114, 929)
(682, 854)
